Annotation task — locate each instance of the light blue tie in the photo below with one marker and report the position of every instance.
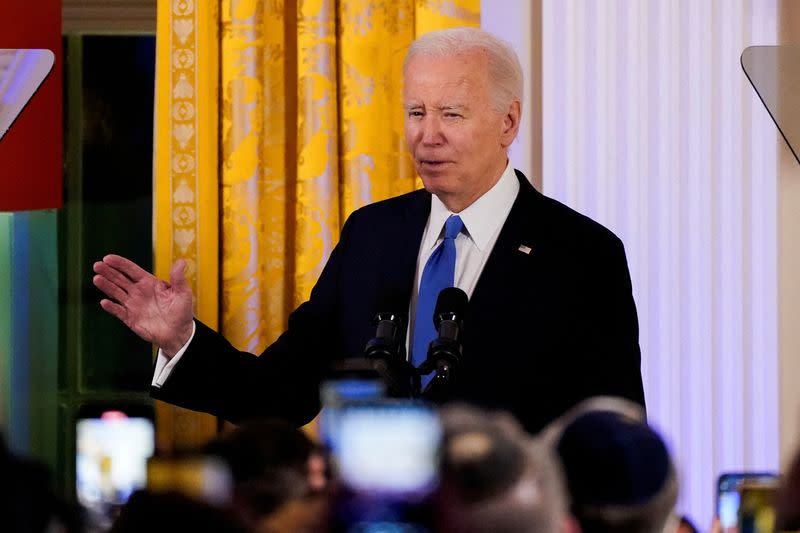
(438, 274)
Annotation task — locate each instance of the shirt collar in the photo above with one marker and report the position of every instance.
(481, 218)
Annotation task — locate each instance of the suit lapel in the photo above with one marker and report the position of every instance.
(416, 218)
(514, 254)
(402, 259)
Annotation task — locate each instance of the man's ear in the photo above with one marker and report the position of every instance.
(511, 123)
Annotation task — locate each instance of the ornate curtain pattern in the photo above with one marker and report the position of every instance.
(275, 120)
(374, 38)
(186, 185)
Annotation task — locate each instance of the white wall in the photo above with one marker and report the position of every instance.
(651, 128)
(511, 20)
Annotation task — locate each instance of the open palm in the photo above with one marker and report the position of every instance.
(157, 311)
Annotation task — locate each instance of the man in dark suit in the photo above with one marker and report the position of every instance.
(551, 318)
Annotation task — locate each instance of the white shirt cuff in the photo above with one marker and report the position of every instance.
(164, 364)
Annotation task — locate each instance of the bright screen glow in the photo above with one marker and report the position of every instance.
(111, 459)
(391, 449)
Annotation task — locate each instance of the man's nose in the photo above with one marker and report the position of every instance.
(432, 133)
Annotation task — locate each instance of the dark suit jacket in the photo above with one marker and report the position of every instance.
(543, 330)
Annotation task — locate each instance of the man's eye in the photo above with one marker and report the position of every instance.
(452, 115)
(415, 113)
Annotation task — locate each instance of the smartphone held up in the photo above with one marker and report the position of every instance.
(746, 501)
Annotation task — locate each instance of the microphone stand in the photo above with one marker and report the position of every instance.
(444, 357)
(388, 358)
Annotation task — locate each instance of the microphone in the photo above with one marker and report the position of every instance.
(444, 352)
(387, 355)
(385, 343)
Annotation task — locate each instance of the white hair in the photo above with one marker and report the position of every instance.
(505, 71)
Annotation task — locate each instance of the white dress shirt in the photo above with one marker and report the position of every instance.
(483, 220)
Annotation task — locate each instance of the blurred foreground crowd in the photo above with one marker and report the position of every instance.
(598, 468)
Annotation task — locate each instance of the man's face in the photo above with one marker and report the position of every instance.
(457, 139)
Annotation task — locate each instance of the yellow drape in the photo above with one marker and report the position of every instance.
(275, 120)
(186, 188)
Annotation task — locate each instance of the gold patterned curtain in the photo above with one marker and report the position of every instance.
(275, 120)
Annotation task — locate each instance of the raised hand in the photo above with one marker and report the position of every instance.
(157, 311)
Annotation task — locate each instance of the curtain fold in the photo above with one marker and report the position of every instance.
(373, 159)
(275, 120)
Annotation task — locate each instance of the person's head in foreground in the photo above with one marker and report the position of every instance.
(619, 473)
(278, 474)
(496, 478)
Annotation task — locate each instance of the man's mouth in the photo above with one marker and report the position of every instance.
(433, 163)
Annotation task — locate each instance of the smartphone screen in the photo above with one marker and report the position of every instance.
(729, 494)
(387, 461)
(390, 446)
(757, 507)
(348, 382)
(112, 448)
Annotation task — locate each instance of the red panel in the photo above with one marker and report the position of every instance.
(31, 151)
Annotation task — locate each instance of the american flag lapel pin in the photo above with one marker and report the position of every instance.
(525, 249)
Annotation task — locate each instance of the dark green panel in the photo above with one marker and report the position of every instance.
(109, 85)
(66, 449)
(116, 197)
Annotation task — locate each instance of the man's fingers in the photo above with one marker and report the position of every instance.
(114, 309)
(126, 266)
(176, 276)
(113, 275)
(112, 290)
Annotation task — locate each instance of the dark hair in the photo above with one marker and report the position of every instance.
(257, 447)
(496, 477)
(268, 461)
(30, 503)
(168, 512)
